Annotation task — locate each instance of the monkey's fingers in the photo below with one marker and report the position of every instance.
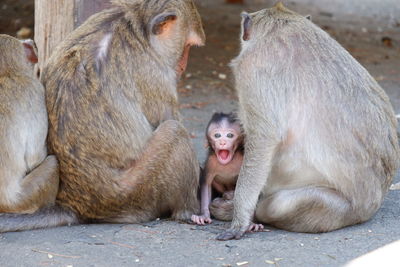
(201, 220)
(207, 220)
(228, 195)
(255, 227)
(231, 234)
(195, 219)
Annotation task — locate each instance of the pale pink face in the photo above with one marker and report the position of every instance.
(224, 139)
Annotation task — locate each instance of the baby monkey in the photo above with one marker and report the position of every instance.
(225, 141)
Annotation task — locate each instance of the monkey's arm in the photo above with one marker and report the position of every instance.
(252, 178)
(204, 217)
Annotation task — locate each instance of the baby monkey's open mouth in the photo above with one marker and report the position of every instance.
(224, 156)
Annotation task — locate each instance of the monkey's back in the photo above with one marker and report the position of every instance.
(96, 128)
(331, 115)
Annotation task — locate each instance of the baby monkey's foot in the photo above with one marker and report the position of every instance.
(201, 219)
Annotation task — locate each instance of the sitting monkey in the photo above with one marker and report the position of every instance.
(225, 141)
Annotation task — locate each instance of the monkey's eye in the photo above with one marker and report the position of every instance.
(217, 135)
(230, 135)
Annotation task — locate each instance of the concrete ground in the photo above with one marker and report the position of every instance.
(206, 88)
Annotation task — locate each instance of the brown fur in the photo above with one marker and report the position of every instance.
(28, 177)
(110, 90)
(321, 145)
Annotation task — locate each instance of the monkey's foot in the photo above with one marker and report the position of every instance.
(201, 219)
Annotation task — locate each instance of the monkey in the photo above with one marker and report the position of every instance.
(225, 142)
(321, 147)
(28, 176)
(225, 153)
(114, 123)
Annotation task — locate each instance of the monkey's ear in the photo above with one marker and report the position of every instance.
(309, 17)
(246, 26)
(30, 50)
(162, 23)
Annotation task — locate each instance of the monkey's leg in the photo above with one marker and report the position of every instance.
(169, 170)
(184, 169)
(307, 209)
(38, 188)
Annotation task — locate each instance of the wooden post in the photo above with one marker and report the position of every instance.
(55, 19)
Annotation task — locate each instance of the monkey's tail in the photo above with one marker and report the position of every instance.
(44, 218)
(222, 209)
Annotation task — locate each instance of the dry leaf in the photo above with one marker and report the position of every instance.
(380, 78)
(270, 262)
(387, 41)
(395, 186)
(222, 76)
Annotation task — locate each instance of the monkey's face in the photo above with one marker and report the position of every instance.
(175, 30)
(224, 139)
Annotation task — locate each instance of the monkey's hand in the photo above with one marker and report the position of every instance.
(228, 195)
(238, 233)
(201, 219)
(232, 233)
(255, 227)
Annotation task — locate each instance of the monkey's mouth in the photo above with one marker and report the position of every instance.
(183, 60)
(224, 156)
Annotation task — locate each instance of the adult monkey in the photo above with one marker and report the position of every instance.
(111, 92)
(321, 145)
(28, 176)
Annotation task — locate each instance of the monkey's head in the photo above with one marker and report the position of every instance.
(224, 135)
(259, 24)
(16, 55)
(268, 36)
(171, 28)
